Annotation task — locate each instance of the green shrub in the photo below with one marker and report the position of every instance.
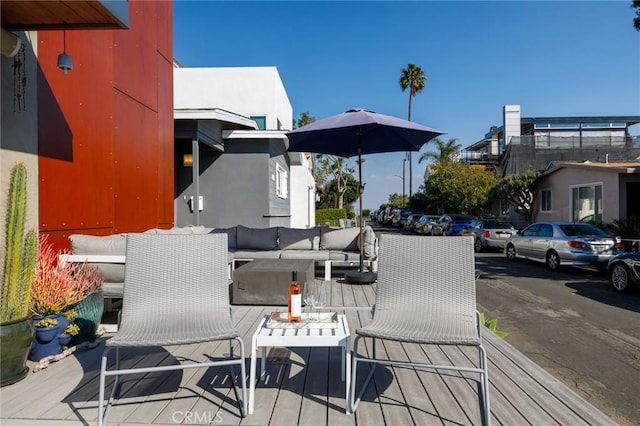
(492, 325)
(330, 216)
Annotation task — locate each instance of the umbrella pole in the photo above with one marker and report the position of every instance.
(360, 190)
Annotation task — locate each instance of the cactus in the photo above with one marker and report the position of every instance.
(21, 251)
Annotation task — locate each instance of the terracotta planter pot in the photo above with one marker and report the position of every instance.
(15, 343)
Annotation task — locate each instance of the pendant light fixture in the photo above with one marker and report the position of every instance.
(64, 61)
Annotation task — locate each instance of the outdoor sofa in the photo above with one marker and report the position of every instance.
(322, 244)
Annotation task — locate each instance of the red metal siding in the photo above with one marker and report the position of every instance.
(106, 128)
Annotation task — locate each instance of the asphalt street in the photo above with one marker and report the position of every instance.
(571, 323)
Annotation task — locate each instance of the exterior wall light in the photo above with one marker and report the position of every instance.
(64, 61)
(187, 160)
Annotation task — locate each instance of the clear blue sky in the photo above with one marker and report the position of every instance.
(576, 58)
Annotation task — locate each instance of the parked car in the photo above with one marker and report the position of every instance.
(451, 224)
(400, 218)
(489, 233)
(389, 212)
(624, 270)
(424, 224)
(563, 243)
(410, 223)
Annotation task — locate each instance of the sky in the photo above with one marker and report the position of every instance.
(553, 58)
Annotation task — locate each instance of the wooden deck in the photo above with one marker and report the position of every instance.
(303, 386)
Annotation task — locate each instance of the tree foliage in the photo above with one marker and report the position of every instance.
(636, 21)
(397, 200)
(519, 191)
(445, 151)
(304, 119)
(459, 188)
(413, 78)
(336, 178)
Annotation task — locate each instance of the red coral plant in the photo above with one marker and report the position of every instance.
(59, 286)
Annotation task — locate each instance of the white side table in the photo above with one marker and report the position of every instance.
(301, 337)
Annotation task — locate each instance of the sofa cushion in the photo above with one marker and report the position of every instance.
(339, 239)
(104, 245)
(368, 240)
(298, 238)
(241, 254)
(256, 238)
(231, 236)
(317, 255)
(181, 230)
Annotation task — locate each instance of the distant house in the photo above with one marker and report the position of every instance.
(587, 163)
(602, 192)
(531, 143)
(230, 126)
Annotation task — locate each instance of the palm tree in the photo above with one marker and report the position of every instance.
(444, 151)
(414, 79)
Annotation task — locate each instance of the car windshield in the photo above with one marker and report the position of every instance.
(459, 218)
(498, 225)
(578, 229)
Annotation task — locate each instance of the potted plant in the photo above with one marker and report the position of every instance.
(70, 331)
(60, 289)
(91, 303)
(46, 339)
(16, 326)
(67, 318)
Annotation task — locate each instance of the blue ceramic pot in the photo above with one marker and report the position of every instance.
(43, 350)
(46, 335)
(64, 339)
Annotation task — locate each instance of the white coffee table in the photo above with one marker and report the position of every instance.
(306, 335)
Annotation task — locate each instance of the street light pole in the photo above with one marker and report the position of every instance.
(401, 177)
(404, 160)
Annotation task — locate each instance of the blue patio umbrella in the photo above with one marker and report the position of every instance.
(358, 132)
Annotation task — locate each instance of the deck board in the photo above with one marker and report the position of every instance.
(303, 386)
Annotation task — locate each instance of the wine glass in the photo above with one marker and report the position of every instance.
(310, 296)
(321, 296)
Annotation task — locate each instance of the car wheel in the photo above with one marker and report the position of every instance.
(620, 277)
(511, 252)
(553, 260)
(477, 246)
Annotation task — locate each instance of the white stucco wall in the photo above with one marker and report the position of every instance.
(249, 91)
(511, 122)
(303, 199)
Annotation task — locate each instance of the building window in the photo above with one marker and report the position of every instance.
(542, 140)
(282, 181)
(586, 201)
(545, 201)
(260, 120)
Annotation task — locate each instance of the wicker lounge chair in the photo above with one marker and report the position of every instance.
(176, 292)
(425, 295)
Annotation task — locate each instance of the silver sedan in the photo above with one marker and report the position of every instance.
(563, 243)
